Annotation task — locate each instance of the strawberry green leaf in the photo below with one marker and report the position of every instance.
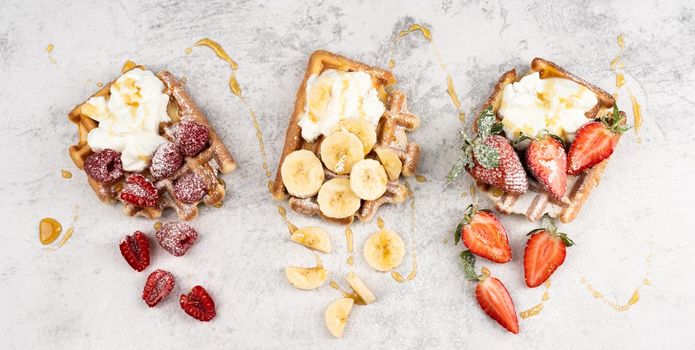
(486, 119)
(487, 156)
(469, 266)
(457, 233)
(496, 128)
(457, 168)
(565, 239)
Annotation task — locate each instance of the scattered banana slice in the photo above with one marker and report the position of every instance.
(337, 314)
(336, 199)
(391, 162)
(312, 237)
(384, 250)
(307, 277)
(302, 173)
(340, 151)
(361, 128)
(360, 288)
(368, 179)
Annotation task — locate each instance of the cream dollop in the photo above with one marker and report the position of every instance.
(533, 104)
(129, 118)
(335, 95)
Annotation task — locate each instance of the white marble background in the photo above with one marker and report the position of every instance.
(84, 296)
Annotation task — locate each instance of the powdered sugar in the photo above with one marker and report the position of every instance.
(165, 161)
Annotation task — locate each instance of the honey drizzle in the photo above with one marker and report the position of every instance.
(66, 174)
(348, 237)
(617, 65)
(49, 50)
(413, 221)
(637, 115)
(283, 213)
(347, 294)
(536, 309)
(66, 236)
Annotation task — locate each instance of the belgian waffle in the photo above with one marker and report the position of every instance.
(181, 107)
(536, 201)
(392, 132)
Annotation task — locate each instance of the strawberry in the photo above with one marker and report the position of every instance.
(135, 249)
(139, 191)
(491, 294)
(157, 287)
(546, 159)
(490, 158)
(545, 252)
(595, 141)
(484, 235)
(198, 304)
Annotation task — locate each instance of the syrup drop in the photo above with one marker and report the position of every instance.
(157, 225)
(283, 213)
(420, 178)
(65, 174)
(49, 230)
(348, 237)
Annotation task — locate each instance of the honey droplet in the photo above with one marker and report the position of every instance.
(452, 92)
(335, 285)
(646, 282)
(637, 114)
(535, 310)
(348, 237)
(65, 174)
(417, 28)
(188, 50)
(283, 213)
(100, 84)
(350, 260)
(157, 225)
(497, 192)
(128, 65)
(66, 237)
(392, 63)
(420, 178)
(234, 86)
(486, 272)
(380, 222)
(49, 230)
(50, 48)
(397, 276)
(619, 80)
(462, 116)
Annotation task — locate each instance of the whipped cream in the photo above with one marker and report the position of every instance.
(129, 118)
(533, 104)
(335, 95)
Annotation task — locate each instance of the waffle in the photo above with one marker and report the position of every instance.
(181, 107)
(392, 132)
(536, 201)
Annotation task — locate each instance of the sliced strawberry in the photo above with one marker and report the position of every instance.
(495, 300)
(509, 175)
(545, 252)
(198, 304)
(139, 191)
(485, 236)
(593, 143)
(547, 161)
(157, 287)
(135, 249)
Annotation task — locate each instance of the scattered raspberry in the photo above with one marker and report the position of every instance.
(191, 137)
(135, 249)
(176, 237)
(139, 191)
(104, 166)
(198, 304)
(159, 284)
(190, 188)
(165, 161)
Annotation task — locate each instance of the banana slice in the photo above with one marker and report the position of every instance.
(337, 314)
(340, 151)
(391, 162)
(336, 199)
(302, 173)
(368, 179)
(384, 250)
(307, 277)
(360, 288)
(312, 237)
(361, 128)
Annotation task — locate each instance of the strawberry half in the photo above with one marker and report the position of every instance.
(135, 249)
(545, 252)
(546, 159)
(595, 142)
(198, 304)
(484, 235)
(491, 294)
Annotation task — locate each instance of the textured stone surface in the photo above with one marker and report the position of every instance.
(85, 296)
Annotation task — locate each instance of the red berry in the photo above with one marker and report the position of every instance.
(509, 175)
(190, 188)
(545, 252)
(485, 237)
(198, 304)
(158, 286)
(594, 143)
(191, 137)
(104, 166)
(546, 160)
(139, 191)
(495, 300)
(176, 237)
(135, 249)
(165, 161)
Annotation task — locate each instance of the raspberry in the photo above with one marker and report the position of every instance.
(104, 166)
(135, 249)
(159, 284)
(176, 237)
(191, 137)
(198, 304)
(190, 188)
(139, 191)
(165, 161)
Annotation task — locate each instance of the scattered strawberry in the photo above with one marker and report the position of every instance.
(491, 294)
(158, 286)
(165, 161)
(490, 158)
(190, 188)
(135, 249)
(484, 235)
(546, 159)
(104, 166)
(191, 137)
(198, 304)
(595, 141)
(176, 237)
(139, 191)
(545, 252)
